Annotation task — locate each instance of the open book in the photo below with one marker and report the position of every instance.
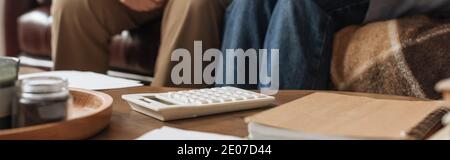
(335, 116)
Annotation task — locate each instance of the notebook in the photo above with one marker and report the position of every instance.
(335, 116)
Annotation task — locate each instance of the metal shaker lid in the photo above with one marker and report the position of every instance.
(43, 85)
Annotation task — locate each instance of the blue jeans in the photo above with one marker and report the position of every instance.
(302, 30)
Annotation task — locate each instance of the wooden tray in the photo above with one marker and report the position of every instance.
(90, 113)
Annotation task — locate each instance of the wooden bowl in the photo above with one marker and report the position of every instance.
(90, 113)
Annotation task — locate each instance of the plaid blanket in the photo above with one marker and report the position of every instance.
(406, 56)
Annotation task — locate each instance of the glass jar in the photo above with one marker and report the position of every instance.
(41, 100)
(9, 68)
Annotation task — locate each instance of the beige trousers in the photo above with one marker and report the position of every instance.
(82, 31)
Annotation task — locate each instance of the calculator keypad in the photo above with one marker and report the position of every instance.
(211, 96)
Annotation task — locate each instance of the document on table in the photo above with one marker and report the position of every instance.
(168, 133)
(88, 80)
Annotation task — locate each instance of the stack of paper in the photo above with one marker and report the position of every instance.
(88, 80)
(168, 133)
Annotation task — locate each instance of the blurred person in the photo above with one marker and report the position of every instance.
(82, 30)
(303, 31)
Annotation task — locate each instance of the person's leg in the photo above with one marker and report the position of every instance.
(184, 22)
(345, 12)
(303, 32)
(246, 23)
(82, 30)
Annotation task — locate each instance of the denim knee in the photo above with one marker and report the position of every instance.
(301, 6)
(248, 5)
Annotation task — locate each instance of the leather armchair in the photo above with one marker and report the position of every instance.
(27, 28)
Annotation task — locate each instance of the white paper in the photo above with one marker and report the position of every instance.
(168, 133)
(88, 80)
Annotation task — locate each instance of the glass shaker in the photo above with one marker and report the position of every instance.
(41, 100)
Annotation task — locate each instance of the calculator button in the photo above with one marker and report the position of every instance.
(262, 96)
(226, 99)
(215, 101)
(203, 97)
(181, 92)
(194, 97)
(238, 98)
(168, 95)
(240, 93)
(175, 96)
(248, 96)
(185, 100)
(228, 88)
(201, 102)
(216, 97)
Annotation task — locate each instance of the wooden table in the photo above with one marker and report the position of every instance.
(127, 124)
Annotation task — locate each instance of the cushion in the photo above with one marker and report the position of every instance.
(406, 56)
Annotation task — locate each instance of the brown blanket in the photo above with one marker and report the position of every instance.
(406, 56)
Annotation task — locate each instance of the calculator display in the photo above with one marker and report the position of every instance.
(159, 100)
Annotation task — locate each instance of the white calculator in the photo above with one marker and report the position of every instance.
(194, 103)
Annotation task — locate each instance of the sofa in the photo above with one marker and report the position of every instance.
(406, 56)
(27, 28)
